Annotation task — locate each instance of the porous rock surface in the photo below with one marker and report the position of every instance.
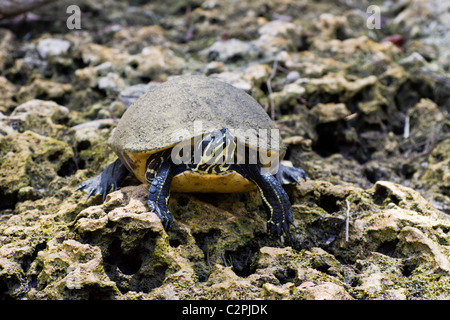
(363, 111)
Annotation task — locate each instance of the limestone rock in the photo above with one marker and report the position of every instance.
(74, 270)
(363, 114)
(232, 49)
(16, 170)
(52, 47)
(7, 91)
(330, 112)
(326, 291)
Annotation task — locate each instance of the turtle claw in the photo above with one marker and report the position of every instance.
(286, 175)
(166, 219)
(95, 186)
(106, 181)
(274, 229)
(277, 229)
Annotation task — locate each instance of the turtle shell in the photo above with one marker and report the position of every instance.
(183, 108)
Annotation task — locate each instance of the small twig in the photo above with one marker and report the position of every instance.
(351, 116)
(280, 68)
(187, 17)
(113, 117)
(189, 34)
(208, 260)
(406, 127)
(382, 126)
(272, 102)
(430, 143)
(266, 107)
(222, 255)
(347, 220)
(187, 24)
(427, 150)
(303, 100)
(111, 113)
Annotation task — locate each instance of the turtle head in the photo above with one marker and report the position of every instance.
(217, 147)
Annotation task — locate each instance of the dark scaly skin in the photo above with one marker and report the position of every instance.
(108, 180)
(287, 174)
(158, 195)
(274, 197)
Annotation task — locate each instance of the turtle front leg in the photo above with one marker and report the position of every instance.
(158, 195)
(109, 179)
(286, 174)
(274, 197)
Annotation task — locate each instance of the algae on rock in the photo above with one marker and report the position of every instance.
(364, 116)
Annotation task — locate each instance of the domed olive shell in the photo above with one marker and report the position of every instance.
(185, 107)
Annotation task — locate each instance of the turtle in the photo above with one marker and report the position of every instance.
(198, 134)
